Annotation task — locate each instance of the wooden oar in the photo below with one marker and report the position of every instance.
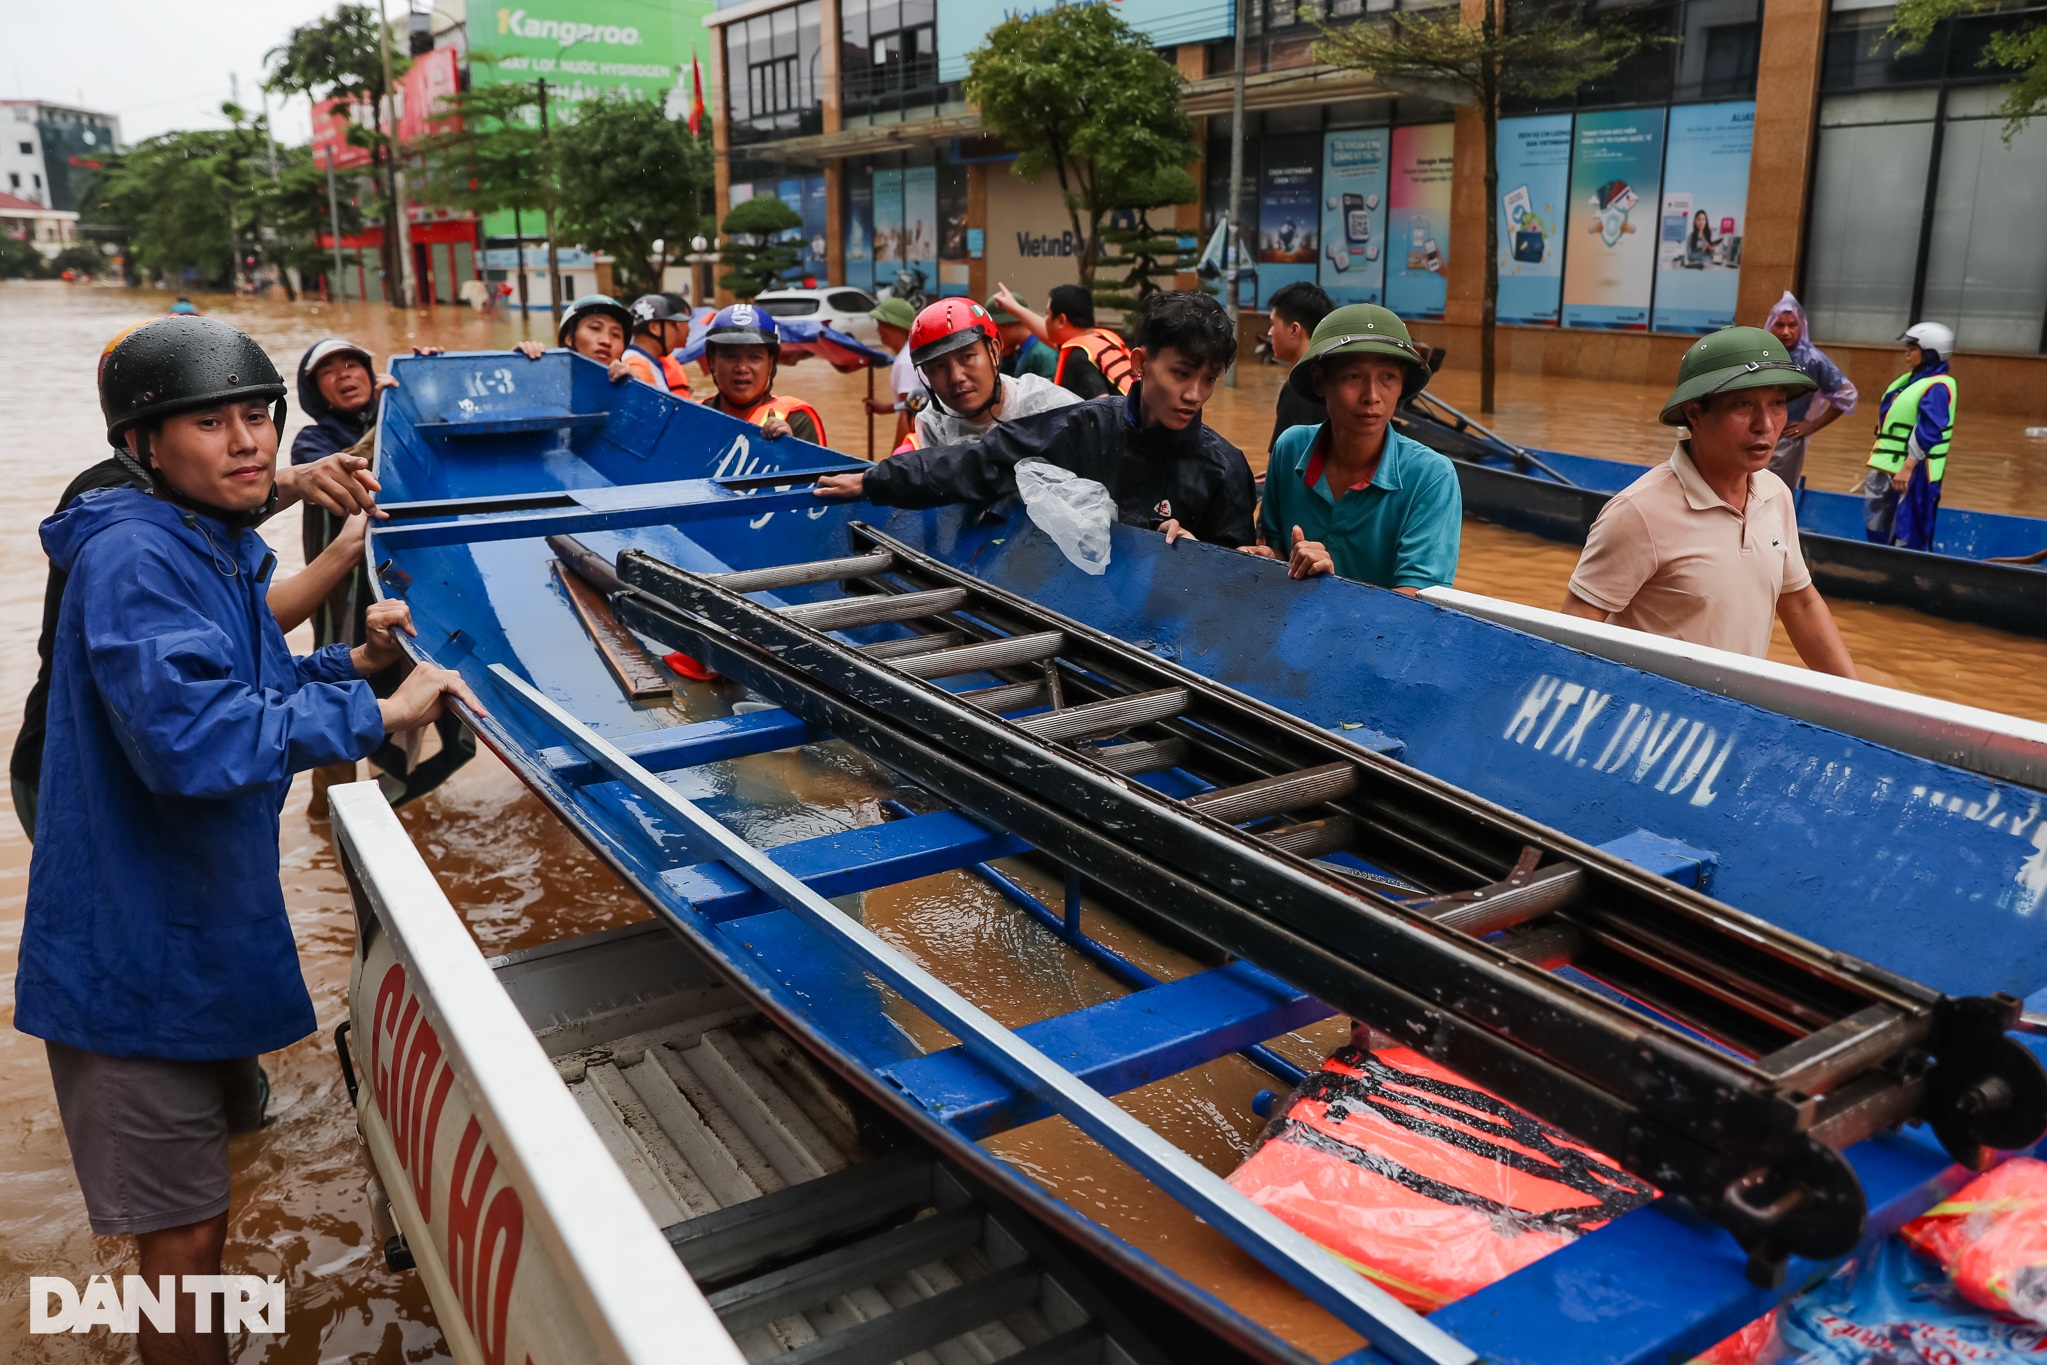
(2033, 558)
(637, 676)
(1465, 422)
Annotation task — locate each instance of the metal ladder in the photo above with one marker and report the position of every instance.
(1390, 895)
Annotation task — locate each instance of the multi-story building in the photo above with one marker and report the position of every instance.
(1760, 145)
(48, 230)
(21, 153)
(75, 142)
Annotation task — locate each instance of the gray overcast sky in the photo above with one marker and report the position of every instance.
(158, 65)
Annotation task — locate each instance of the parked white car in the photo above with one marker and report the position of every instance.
(839, 307)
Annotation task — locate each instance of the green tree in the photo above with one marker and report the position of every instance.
(1143, 253)
(1077, 92)
(1545, 52)
(630, 177)
(81, 260)
(757, 254)
(296, 206)
(2020, 49)
(188, 201)
(338, 56)
(494, 159)
(19, 260)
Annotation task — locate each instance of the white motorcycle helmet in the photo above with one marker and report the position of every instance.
(1934, 338)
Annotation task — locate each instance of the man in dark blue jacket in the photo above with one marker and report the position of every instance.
(157, 961)
(338, 389)
(1166, 469)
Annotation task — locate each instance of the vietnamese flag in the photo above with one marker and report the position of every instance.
(696, 98)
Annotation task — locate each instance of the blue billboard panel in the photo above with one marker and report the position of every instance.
(1616, 172)
(1705, 209)
(1535, 184)
(1352, 266)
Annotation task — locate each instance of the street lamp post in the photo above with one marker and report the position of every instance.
(408, 292)
(1234, 262)
(554, 270)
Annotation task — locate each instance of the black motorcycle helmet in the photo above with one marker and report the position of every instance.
(648, 308)
(175, 364)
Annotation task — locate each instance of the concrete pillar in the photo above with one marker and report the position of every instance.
(1780, 166)
(979, 286)
(1192, 60)
(835, 221)
(1464, 294)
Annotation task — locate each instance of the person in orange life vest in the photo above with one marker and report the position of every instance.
(596, 327)
(658, 330)
(745, 350)
(956, 349)
(1092, 360)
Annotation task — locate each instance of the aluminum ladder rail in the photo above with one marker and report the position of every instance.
(1838, 1045)
(1393, 1328)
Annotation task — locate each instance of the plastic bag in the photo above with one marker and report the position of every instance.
(1990, 1237)
(1424, 1183)
(1077, 513)
(1893, 1306)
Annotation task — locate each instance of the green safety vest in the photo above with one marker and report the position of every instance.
(1894, 431)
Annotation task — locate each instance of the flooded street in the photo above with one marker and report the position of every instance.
(519, 879)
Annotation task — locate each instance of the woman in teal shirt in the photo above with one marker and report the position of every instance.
(1354, 497)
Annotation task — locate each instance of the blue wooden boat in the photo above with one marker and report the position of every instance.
(1613, 783)
(1557, 495)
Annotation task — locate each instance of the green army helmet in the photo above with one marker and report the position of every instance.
(1360, 329)
(895, 312)
(1730, 359)
(999, 315)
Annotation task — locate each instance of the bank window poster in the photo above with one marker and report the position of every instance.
(1535, 186)
(1289, 221)
(1418, 219)
(859, 230)
(1352, 265)
(889, 256)
(817, 247)
(920, 222)
(1705, 208)
(1610, 256)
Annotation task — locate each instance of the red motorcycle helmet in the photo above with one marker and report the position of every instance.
(949, 325)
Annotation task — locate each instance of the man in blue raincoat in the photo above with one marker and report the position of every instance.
(157, 961)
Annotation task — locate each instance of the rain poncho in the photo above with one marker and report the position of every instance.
(155, 923)
(1835, 390)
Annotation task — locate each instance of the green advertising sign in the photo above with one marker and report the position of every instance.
(585, 49)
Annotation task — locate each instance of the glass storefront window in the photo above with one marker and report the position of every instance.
(771, 64)
(888, 65)
(1986, 266)
(1862, 237)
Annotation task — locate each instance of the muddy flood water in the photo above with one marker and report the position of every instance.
(519, 879)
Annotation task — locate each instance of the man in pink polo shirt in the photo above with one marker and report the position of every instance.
(1705, 546)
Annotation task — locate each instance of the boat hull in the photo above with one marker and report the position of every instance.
(1899, 859)
(1957, 585)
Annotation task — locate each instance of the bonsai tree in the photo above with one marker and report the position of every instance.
(757, 253)
(1143, 253)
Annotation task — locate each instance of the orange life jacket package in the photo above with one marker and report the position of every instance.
(1990, 1237)
(1423, 1182)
